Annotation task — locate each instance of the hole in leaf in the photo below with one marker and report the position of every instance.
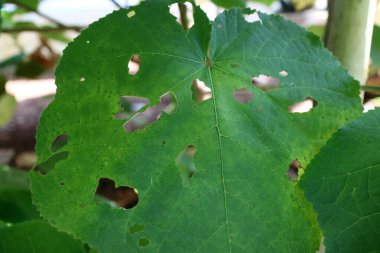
(136, 228)
(168, 104)
(143, 242)
(283, 73)
(134, 65)
(59, 142)
(265, 83)
(252, 17)
(130, 105)
(293, 170)
(186, 165)
(82, 79)
(200, 91)
(303, 106)
(243, 95)
(131, 13)
(122, 196)
(49, 165)
(183, 12)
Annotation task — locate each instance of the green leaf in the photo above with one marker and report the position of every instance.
(3, 81)
(239, 198)
(15, 199)
(29, 69)
(343, 182)
(37, 236)
(7, 107)
(267, 2)
(15, 59)
(230, 3)
(317, 30)
(16, 206)
(13, 179)
(30, 4)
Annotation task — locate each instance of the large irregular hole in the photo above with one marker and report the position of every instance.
(303, 106)
(122, 196)
(200, 91)
(134, 65)
(183, 12)
(186, 165)
(243, 95)
(129, 105)
(252, 16)
(293, 170)
(59, 142)
(265, 83)
(49, 165)
(168, 104)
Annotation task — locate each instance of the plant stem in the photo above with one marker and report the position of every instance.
(183, 15)
(349, 34)
(116, 4)
(26, 7)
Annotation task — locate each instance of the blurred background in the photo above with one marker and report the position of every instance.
(34, 34)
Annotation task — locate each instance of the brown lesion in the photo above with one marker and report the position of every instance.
(123, 196)
(208, 61)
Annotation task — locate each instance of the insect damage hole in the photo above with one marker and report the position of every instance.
(200, 91)
(185, 164)
(252, 17)
(50, 164)
(183, 12)
(283, 73)
(243, 95)
(59, 142)
(167, 104)
(265, 82)
(134, 65)
(129, 105)
(303, 106)
(82, 79)
(121, 196)
(293, 170)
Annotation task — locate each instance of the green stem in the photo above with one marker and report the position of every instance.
(26, 7)
(116, 4)
(349, 34)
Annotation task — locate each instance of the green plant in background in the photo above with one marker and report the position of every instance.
(211, 175)
(21, 229)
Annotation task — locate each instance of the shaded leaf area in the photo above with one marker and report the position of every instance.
(231, 195)
(37, 236)
(343, 183)
(20, 228)
(15, 198)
